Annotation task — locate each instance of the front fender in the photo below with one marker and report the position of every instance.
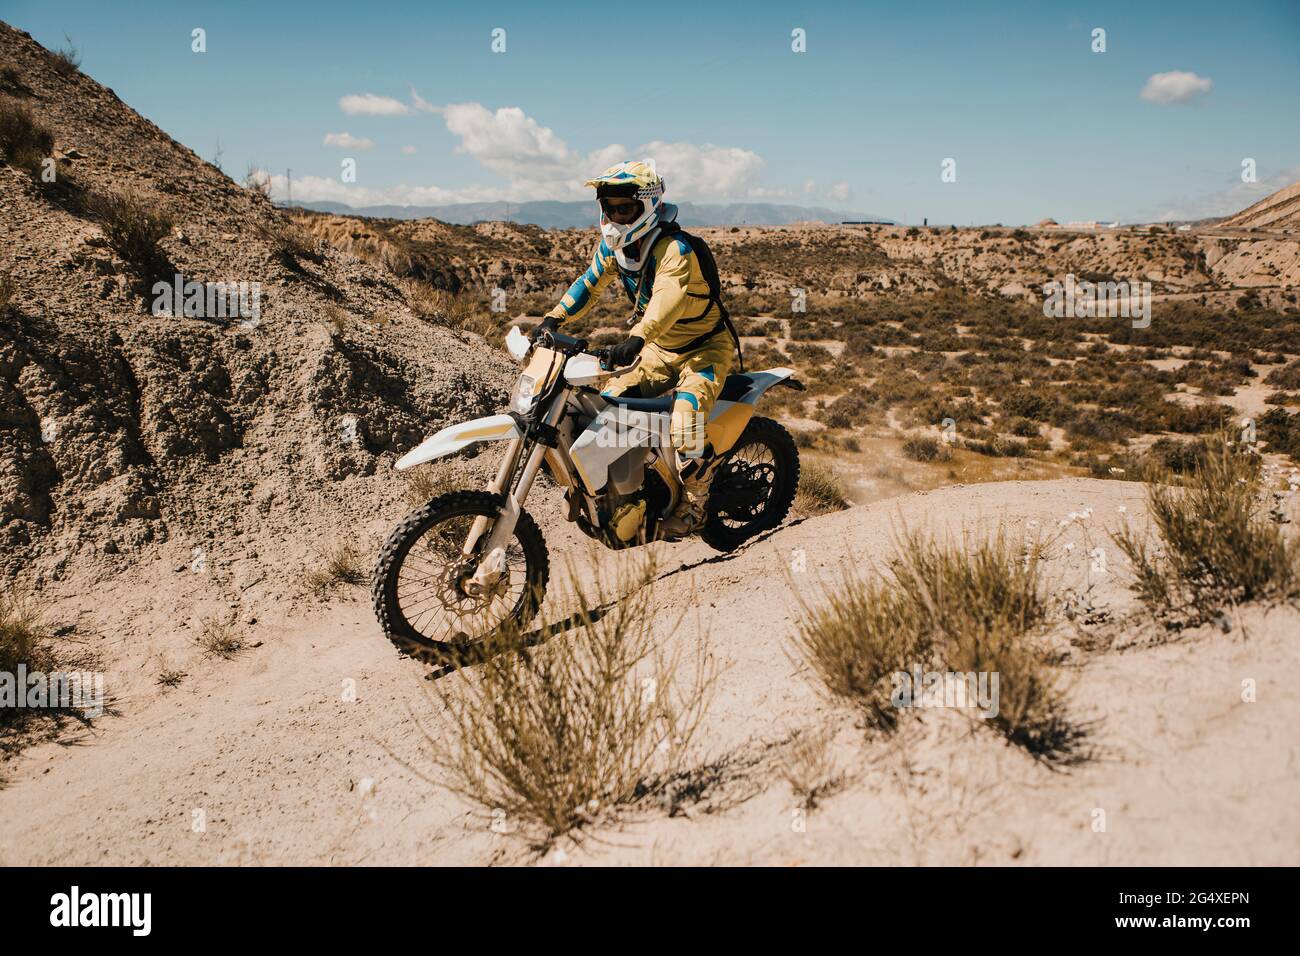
(455, 437)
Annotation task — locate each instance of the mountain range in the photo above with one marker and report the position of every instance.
(570, 215)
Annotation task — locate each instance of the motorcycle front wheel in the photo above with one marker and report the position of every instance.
(422, 591)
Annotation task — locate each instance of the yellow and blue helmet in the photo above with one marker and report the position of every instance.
(632, 179)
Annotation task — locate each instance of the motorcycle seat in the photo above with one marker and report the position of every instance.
(660, 403)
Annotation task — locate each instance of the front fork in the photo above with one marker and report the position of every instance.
(493, 564)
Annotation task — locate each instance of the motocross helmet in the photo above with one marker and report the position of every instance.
(631, 179)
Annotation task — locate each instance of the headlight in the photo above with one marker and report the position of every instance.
(525, 394)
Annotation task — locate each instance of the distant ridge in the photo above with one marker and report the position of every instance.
(577, 215)
(1279, 211)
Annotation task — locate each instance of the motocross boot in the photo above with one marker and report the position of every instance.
(696, 475)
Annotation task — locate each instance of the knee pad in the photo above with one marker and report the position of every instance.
(687, 426)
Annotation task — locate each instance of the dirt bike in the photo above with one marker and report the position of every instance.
(458, 570)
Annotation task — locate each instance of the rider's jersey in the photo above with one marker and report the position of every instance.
(674, 305)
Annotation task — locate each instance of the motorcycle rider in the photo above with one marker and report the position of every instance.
(679, 329)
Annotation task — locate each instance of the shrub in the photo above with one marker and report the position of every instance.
(289, 243)
(220, 637)
(341, 564)
(134, 228)
(1287, 377)
(972, 607)
(847, 411)
(1026, 404)
(1218, 544)
(427, 482)
(23, 640)
(926, 448)
(67, 60)
(24, 140)
(592, 717)
(821, 489)
(808, 765)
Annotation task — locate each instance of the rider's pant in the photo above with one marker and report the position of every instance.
(695, 377)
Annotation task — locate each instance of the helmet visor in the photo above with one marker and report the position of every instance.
(620, 209)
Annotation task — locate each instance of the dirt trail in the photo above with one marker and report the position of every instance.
(285, 771)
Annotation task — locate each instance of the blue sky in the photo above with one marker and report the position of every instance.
(1038, 124)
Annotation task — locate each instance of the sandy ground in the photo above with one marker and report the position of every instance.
(264, 752)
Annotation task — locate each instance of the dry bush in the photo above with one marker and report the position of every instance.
(67, 60)
(220, 637)
(808, 765)
(288, 242)
(926, 448)
(427, 482)
(10, 78)
(171, 677)
(24, 140)
(23, 640)
(336, 317)
(821, 489)
(341, 565)
(134, 227)
(970, 607)
(594, 715)
(1217, 544)
(857, 636)
(455, 310)
(259, 181)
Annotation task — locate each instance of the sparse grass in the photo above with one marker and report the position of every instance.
(926, 448)
(134, 227)
(10, 79)
(808, 765)
(455, 310)
(1217, 544)
(860, 633)
(24, 140)
(171, 678)
(67, 60)
(970, 607)
(821, 489)
(335, 317)
(594, 716)
(342, 565)
(289, 243)
(23, 640)
(427, 482)
(221, 637)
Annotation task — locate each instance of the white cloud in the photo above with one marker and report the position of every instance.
(368, 104)
(508, 141)
(704, 171)
(840, 192)
(1175, 86)
(536, 163)
(408, 150)
(326, 188)
(423, 105)
(347, 141)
